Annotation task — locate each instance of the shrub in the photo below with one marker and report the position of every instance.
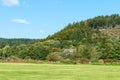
(109, 61)
(13, 59)
(84, 61)
(101, 61)
(53, 57)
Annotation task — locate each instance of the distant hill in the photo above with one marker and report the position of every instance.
(85, 29)
(77, 31)
(15, 42)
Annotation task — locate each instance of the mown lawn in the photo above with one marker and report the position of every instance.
(22, 71)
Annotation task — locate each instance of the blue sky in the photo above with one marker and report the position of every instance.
(39, 18)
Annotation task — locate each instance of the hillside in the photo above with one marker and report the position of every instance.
(106, 24)
(114, 32)
(89, 40)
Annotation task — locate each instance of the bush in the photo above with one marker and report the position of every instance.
(53, 57)
(13, 59)
(101, 61)
(109, 61)
(84, 61)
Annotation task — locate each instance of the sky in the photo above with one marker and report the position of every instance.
(36, 19)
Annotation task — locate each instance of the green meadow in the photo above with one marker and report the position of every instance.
(25, 71)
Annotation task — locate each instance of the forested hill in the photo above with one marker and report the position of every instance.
(80, 30)
(86, 39)
(16, 42)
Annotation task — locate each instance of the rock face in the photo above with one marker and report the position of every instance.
(66, 52)
(69, 51)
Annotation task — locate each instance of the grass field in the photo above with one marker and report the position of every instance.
(21, 71)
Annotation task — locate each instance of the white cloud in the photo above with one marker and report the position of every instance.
(10, 3)
(20, 21)
(42, 32)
